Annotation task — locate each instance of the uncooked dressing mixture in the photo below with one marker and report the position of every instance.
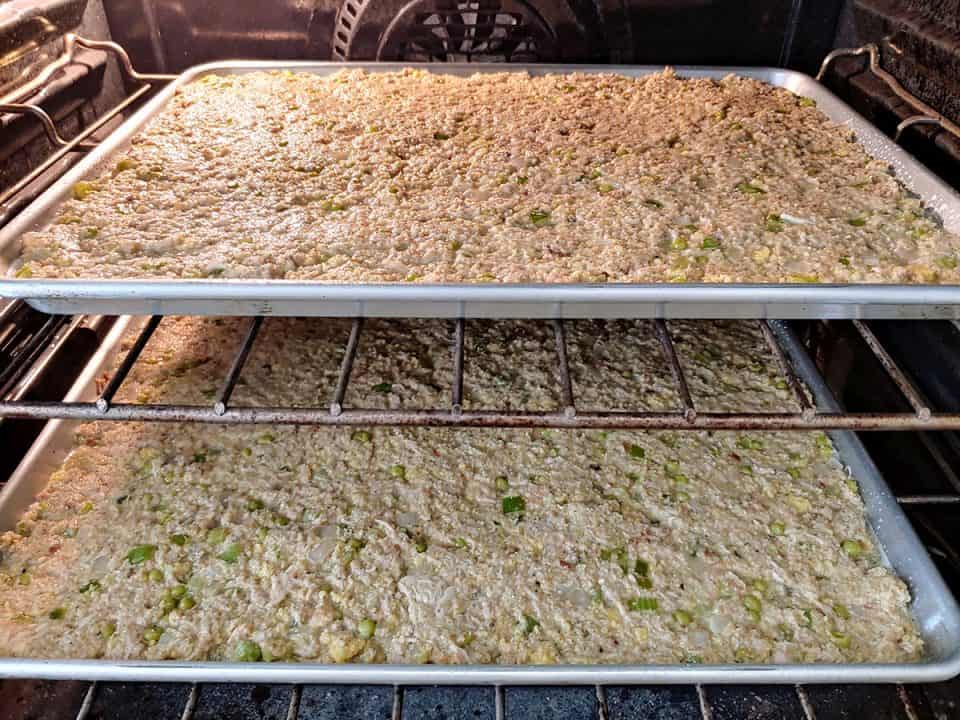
(421, 177)
(396, 545)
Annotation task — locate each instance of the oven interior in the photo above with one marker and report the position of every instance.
(916, 41)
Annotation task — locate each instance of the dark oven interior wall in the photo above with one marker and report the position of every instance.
(74, 98)
(170, 35)
(919, 43)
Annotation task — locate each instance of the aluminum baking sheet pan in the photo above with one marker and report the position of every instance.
(933, 607)
(292, 297)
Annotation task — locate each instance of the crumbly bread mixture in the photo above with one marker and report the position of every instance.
(395, 545)
(418, 177)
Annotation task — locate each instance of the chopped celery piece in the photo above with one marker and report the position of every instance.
(752, 603)
(540, 218)
(745, 442)
(530, 624)
(248, 651)
(643, 604)
(92, 585)
(366, 628)
(81, 190)
(514, 504)
(231, 554)
(852, 548)
(216, 535)
(141, 553)
(841, 640)
(773, 224)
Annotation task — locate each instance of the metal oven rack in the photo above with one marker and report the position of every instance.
(89, 701)
(84, 700)
(686, 416)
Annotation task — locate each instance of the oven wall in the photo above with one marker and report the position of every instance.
(31, 36)
(170, 35)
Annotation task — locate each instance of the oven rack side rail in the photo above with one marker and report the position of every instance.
(685, 416)
(26, 99)
(925, 114)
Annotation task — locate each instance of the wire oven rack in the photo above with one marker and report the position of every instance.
(686, 416)
(86, 701)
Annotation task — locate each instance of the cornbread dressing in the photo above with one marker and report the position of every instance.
(185, 541)
(414, 176)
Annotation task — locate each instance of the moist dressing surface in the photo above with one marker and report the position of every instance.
(418, 177)
(398, 545)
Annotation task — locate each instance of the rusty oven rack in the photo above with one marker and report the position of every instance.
(685, 417)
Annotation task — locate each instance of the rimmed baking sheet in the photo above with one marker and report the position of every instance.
(933, 607)
(613, 300)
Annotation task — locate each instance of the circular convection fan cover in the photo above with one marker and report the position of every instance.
(448, 30)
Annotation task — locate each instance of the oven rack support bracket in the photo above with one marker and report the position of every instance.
(926, 115)
(25, 100)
